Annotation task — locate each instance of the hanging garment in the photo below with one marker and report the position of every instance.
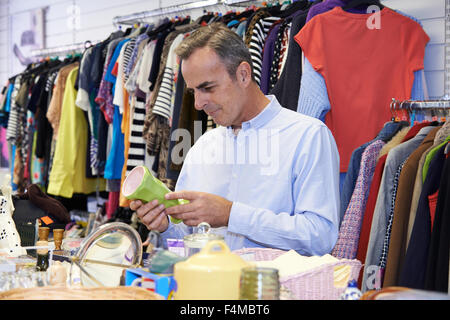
(384, 203)
(131, 83)
(390, 217)
(260, 32)
(55, 107)
(136, 151)
(104, 96)
(115, 159)
(18, 100)
(413, 272)
(430, 156)
(437, 271)
(397, 244)
(440, 137)
(146, 63)
(328, 5)
(268, 55)
(347, 243)
(287, 87)
(327, 42)
(164, 101)
(388, 131)
(313, 98)
(372, 198)
(135, 53)
(67, 176)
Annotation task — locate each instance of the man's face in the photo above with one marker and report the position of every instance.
(215, 91)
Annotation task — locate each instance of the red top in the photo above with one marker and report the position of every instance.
(363, 68)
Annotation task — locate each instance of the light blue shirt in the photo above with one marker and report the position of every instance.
(281, 171)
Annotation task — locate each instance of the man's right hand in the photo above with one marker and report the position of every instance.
(151, 214)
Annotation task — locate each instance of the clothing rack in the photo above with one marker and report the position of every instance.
(438, 109)
(139, 17)
(70, 48)
(420, 104)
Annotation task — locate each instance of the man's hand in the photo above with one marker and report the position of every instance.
(202, 207)
(151, 214)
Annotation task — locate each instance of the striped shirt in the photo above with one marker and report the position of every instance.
(166, 94)
(136, 151)
(12, 132)
(260, 31)
(127, 56)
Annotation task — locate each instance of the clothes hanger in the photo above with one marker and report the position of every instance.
(285, 4)
(359, 3)
(284, 10)
(115, 34)
(246, 13)
(392, 108)
(128, 31)
(165, 24)
(403, 111)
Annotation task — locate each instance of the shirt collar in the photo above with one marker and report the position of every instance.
(267, 114)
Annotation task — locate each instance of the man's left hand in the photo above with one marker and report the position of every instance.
(202, 207)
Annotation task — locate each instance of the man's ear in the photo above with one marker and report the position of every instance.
(244, 74)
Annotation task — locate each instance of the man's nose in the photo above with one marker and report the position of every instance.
(199, 101)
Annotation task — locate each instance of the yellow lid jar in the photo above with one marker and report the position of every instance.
(211, 274)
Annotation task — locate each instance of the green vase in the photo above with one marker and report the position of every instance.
(140, 184)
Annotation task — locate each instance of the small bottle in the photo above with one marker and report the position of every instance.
(352, 292)
(42, 256)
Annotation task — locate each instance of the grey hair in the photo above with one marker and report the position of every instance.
(230, 48)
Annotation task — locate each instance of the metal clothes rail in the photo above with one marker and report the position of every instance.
(141, 16)
(437, 110)
(70, 48)
(420, 104)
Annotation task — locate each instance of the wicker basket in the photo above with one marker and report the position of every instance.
(315, 284)
(62, 293)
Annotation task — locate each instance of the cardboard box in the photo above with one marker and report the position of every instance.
(163, 285)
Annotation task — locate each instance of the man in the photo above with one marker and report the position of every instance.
(267, 176)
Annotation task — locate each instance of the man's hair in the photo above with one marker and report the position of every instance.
(230, 48)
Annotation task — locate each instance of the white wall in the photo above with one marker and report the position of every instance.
(3, 41)
(431, 14)
(76, 21)
(95, 23)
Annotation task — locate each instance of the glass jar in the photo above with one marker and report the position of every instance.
(258, 283)
(193, 243)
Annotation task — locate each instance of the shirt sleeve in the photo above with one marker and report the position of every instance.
(415, 42)
(313, 96)
(309, 38)
(312, 228)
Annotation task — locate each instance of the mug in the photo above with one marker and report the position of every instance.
(140, 184)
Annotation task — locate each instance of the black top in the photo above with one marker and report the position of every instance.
(414, 267)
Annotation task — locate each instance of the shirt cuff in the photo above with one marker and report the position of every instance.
(240, 216)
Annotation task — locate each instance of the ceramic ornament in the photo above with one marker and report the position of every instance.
(9, 237)
(6, 190)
